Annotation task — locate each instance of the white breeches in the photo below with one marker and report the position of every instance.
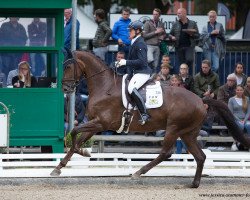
(137, 81)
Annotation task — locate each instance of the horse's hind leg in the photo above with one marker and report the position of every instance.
(166, 152)
(193, 147)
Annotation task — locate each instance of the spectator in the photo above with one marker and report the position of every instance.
(37, 32)
(165, 59)
(239, 105)
(79, 112)
(24, 79)
(10, 76)
(186, 80)
(120, 32)
(184, 32)
(12, 34)
(153, 33)
(213, 41)
(2, 78)
(239, 73)
(164, 76)
(225, 92)
(103, 32)
(247, 88)
(121, 70)
(175, 81)
(68, 29)
(82, 90)
(206, 82)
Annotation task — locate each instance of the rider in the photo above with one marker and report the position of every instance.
(137, 68)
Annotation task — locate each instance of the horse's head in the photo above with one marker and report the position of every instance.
(72, 72)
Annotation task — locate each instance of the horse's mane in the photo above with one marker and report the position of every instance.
(91, 53)
(98, 59)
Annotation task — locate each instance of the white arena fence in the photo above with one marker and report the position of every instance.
(230, 164)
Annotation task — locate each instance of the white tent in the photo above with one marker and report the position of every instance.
(87, 25)
(238, 34)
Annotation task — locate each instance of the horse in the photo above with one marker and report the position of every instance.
(181, 115)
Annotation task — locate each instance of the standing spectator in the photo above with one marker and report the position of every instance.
(164, 75)
(213, 41)
(186, 79)
(103, 32)
(24, 79)
(184, 32)
(120, 32)
(206, 82)
(239, 105)
(226, 91)
(37, 32)
(12, 33)
(239, 73)
(165, 59)
(68, 29)
(247, 88)
(153, 33)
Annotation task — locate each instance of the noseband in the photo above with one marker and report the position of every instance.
(72, 83)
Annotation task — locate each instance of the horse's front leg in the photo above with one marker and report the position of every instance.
(90, 128)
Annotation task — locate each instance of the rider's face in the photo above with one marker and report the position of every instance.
(131, 34)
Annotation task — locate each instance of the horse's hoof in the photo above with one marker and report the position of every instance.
(195, 184)
(135, 177)
(55, 172)
(85, 153)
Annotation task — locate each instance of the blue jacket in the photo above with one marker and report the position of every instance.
(137, 58)
(67, 34)
(120, 30)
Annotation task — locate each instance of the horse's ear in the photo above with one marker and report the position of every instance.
(67, 53)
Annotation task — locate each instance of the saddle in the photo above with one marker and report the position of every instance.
(151, 93)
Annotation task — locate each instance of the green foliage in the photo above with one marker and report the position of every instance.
(68, 141)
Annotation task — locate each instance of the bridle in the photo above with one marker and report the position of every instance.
(72, 83)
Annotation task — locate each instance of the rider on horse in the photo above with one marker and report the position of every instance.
(137, 67)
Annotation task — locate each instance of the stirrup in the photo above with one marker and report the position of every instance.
(144, 119)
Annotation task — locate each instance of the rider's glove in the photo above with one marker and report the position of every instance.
(120, 63)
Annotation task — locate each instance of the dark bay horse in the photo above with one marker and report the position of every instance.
(181, 115)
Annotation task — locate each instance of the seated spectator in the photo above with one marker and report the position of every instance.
(225, 92)
(120, 70)
(239, 105)
(247, 88)
(175, 81)
(206, 82)
(24, 79)
(10, 76)
(82, 90)
(238, 72)
(2, 78)
(163, 75)
(186, 79)
(79, 112)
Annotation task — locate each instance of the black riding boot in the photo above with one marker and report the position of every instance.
(141, 106)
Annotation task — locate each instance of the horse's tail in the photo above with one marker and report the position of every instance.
(223, 111)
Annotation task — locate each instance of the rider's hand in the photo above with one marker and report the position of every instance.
(121, 63)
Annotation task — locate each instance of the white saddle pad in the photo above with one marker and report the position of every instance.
(154, 97)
